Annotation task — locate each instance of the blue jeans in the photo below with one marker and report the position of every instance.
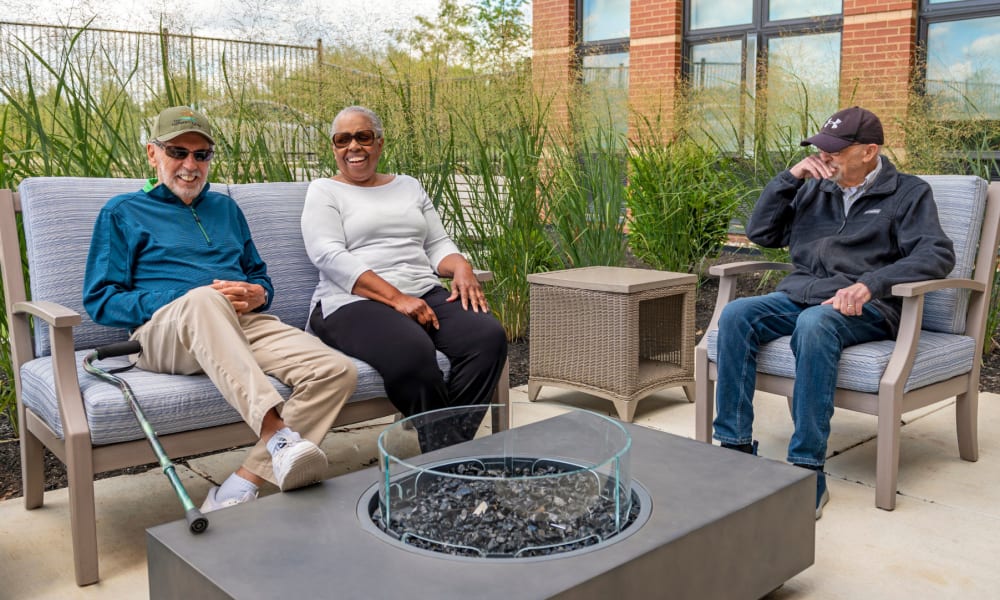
(819, 334)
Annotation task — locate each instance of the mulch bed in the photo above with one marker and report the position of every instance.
(55, 472)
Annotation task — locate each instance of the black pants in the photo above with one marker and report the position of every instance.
(403, 353)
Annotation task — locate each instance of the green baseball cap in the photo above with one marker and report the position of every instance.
(178, 120)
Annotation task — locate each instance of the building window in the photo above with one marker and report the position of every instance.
(603, 55)
(962, 43)
(604, 20)
(794, 44)
(605, 87)
(799, 9)
(717, 84)
(803, 78)
(705, 14)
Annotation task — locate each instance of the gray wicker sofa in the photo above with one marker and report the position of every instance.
(84, 421)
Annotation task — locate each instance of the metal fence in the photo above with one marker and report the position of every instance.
(199, 69)
(277, 98)
(147, 64)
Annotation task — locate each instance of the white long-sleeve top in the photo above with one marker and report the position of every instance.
(391, 229)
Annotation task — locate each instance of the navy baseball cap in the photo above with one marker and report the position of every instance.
(853, 125)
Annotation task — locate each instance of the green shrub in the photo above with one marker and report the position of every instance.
(499, 222)
(586, 203)
(681, 203)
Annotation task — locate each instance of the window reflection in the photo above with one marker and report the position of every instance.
(803, 80)
(605, 19)
(605, 88)
(720, 13)
(963, 67)
(716, 73)
(799, 9)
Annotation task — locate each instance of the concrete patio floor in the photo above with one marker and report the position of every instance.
(942, 541)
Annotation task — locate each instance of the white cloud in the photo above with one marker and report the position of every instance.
(959, 71)
(986, 46)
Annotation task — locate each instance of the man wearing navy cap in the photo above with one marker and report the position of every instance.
(854, 227)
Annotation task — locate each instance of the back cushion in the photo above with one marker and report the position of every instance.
(274, 211)
(961, 203)
(59, 215)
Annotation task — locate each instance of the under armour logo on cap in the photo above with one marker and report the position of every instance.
(853, 125)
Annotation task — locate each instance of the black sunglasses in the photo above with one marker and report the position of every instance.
(365, 137)
(179, 153)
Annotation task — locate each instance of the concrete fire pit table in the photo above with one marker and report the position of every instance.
(713, 524)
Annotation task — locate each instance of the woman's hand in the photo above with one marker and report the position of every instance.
(371, 286)
(464, 284)
(418, 310)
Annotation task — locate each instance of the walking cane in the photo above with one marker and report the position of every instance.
(197, 522)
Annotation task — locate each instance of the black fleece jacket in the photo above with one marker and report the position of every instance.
(891, 235)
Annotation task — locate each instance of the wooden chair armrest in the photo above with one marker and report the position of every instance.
(751, 266)
(916, 288)
(910, 322)
(76, 430)
(481, 275)
(54, 314)
(728, 274)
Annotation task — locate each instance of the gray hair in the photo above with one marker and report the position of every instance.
(367, 112)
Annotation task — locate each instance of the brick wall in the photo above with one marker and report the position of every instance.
(554, 44)
(878, 56)
(655, 60)
(877, 61)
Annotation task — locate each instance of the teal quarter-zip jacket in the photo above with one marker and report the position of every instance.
(149, 249)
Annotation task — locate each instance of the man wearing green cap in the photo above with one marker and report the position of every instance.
(175, 264)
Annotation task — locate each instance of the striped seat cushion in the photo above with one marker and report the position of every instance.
(940, 356)
(172, 403)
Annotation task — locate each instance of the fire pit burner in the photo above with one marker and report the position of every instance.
(538, 496)
(497, 513)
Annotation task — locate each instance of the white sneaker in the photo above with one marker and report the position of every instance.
(297, 463)
(213, 503)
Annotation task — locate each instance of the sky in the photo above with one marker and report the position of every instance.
(362, 24)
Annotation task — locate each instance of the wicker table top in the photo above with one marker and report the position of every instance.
(621, 280)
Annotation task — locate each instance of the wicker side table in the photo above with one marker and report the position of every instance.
(614, 332)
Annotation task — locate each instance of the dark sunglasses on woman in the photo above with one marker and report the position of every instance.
(365, 137)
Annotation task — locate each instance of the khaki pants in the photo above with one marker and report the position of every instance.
(201, 333)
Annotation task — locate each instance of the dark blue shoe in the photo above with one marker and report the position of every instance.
(750, 448)
(822, 494)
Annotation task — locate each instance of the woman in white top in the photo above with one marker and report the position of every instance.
(380, 249)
